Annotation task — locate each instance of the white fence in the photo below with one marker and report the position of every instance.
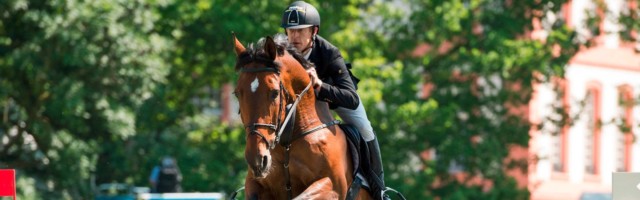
(181, 196)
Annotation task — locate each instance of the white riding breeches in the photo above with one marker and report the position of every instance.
(358, 118)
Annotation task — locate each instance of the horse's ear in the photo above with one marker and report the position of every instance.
(238, 46)
(270, 48)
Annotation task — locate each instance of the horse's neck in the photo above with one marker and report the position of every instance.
(312, 113)
(322, 109)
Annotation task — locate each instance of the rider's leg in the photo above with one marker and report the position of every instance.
(376, 162)
(358, 118)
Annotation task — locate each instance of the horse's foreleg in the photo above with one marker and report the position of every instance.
(251, 188)
(321, 189)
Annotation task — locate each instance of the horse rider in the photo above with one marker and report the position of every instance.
(332, 80)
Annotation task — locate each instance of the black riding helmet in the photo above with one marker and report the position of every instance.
(299, 15)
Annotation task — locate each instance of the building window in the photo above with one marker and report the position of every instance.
(588, 140)
(559, 142)
(556, 154)
(592, 134)
(620, 152)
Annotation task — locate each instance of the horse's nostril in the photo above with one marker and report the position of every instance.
(264, 162)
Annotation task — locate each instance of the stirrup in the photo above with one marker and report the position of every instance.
(234, 194)
(387, 189)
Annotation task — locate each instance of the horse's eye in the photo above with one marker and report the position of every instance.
(235, 93)
(274, 94)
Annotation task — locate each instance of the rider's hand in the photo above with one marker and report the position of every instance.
(314, 78)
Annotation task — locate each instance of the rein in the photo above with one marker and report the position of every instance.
(278, 127)
(287, 124)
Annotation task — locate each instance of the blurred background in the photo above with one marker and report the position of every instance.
(471, 99)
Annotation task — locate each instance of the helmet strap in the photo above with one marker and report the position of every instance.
(314, 32)
(307, 48)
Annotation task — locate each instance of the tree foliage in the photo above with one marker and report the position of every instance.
(628, 18)
(106, 88)
(478, 65)
(73, 77)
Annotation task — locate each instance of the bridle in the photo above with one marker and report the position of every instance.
(287, 123)
(286, 127)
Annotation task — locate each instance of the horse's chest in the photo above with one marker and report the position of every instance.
(305, 165)
(301, 176)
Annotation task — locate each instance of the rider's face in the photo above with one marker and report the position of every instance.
(300, 38)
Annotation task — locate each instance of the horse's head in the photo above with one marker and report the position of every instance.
(269, 78)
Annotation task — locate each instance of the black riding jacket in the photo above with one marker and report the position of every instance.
(338, 88)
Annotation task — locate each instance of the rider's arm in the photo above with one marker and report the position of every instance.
(342, 92)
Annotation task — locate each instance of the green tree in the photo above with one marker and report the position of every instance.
(628, 18)
(210, 152)
(481, 65)
(72, 77)
(173, 122)
(109, 87)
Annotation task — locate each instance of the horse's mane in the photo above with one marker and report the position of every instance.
(256, 53)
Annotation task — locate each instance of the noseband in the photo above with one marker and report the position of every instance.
(278, 127)
(286, 126)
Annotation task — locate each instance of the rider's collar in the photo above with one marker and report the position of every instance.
(308, 53)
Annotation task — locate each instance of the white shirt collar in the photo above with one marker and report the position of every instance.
(306, 56)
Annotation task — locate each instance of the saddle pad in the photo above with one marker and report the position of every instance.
(354, 141)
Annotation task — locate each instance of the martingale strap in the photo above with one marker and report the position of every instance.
(280, 127)
(289, 114)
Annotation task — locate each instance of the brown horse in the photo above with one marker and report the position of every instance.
(290, 150)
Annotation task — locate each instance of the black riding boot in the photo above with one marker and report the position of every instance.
(376, 167)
